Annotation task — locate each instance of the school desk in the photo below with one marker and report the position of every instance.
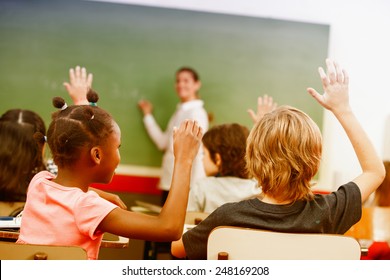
(109, 240)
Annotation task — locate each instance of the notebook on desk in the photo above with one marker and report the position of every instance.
(110, 237)
(8, 222)
(151, 207)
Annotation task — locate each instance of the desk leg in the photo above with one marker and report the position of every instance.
(150, 252)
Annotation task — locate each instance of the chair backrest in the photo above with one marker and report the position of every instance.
(374, 225)
(13, 251)
(253, 244)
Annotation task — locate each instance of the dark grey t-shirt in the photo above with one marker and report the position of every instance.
(332, 213)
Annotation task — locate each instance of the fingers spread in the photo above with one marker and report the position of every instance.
(83, 73)
(89, 80)
(72, 77)
(312, 92)
(324, 77)
(252, 114)
(66, 85)
(339, 72)
(331, 71)
(197, 130)
(266, 100)
(78, 72)
(191, 127)
(346, 77)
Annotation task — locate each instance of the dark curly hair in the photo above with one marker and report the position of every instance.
(76, 127)
(229, 141)
(20, 155)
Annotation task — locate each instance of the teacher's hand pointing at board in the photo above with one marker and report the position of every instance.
(145, 106)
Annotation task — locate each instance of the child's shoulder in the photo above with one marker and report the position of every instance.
(42, 176)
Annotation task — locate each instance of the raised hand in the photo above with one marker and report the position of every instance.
(336, 99)
(186, 140)
(335, 84)
(79, 84)
(264, 105)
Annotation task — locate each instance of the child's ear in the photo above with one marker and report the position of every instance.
(218, 160)
(96, 154)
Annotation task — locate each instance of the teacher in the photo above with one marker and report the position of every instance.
(187, 87)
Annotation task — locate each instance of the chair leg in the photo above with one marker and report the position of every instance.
(223, 256)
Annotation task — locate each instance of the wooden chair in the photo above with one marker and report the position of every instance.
(13, 251)
(236, 243)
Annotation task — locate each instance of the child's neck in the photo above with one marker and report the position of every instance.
(68, 178)
(270, 200)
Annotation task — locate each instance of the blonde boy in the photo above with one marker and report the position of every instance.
(283, 154)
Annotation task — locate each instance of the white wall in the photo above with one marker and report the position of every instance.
(359, 41)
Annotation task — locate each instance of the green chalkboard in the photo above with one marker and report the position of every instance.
(134, 51)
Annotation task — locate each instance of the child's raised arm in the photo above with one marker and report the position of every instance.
(336, 99)
(168, 225)
(265, 105)
(79, 84)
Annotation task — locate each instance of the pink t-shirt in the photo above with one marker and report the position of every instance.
(58, 215)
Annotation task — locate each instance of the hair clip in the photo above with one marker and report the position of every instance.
(92, 117)
(45, 138)
(93, 103)
(64, 107)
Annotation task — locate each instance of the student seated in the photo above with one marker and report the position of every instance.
(21, 157)
(84, 141)
(224, 164)
(283, 153)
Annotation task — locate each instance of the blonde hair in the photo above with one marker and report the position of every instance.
(284, 153)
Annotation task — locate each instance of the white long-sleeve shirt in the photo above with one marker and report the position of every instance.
(209, 193)
(193, 110)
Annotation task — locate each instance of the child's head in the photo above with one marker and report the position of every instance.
(25, 118)
(86, 134)
(284, 152)
(187, 84)
(224, 147)
(21, 157)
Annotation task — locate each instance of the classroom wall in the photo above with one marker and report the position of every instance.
(358, 40)
(134, 50)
